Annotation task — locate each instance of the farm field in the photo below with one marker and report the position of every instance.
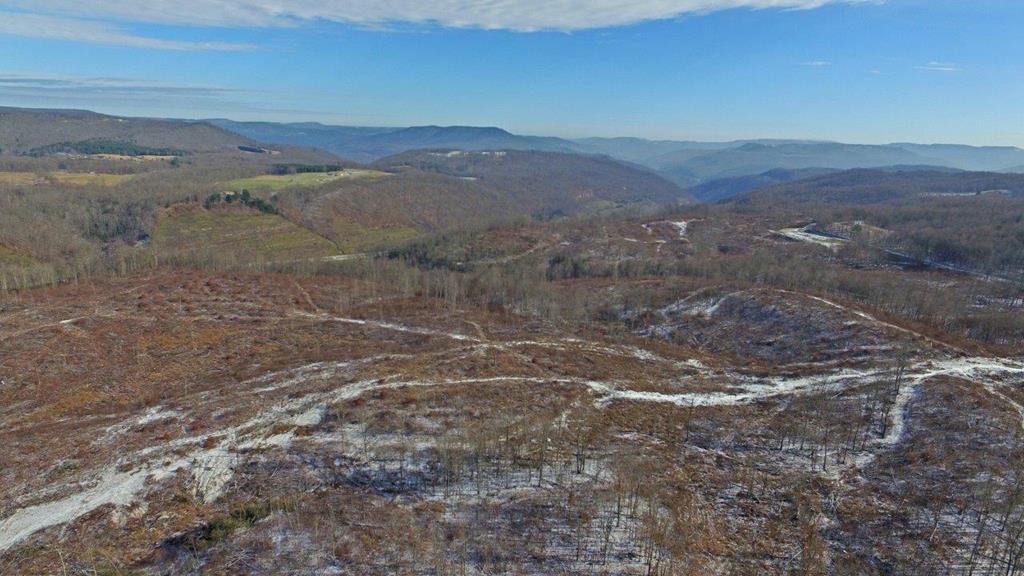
(276, 182)
(137, 158)
(239, 235)
(355, 237)
(71, 178)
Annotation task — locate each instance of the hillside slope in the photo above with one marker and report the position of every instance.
(725, 188)
(754, 158)
(979, 158)
(23, 130)
(875, 186)
(548, 182)
(685, 162)
(370, 144)
(418, 192)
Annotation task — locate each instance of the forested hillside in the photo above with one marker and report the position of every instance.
(545, 182)
(725, 188)
(24, 131)
(371, 144)
(973, 221)
(890, 186)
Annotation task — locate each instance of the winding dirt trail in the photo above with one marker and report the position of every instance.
(210, 459)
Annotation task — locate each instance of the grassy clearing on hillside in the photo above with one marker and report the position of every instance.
(141, 158)
(9, 257)
(236, 235)
(354, 237)
(306, 180)
(19, 270)
(72, 178)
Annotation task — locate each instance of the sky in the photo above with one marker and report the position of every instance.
(868, 71)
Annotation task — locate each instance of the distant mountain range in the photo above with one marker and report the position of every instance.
(371, 144)
(570, 175)
(687, 163)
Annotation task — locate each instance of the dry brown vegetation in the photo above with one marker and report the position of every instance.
(211, 390)
(389, 419)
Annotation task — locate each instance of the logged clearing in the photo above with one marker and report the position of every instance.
(72, 178)
(305, 180)
(697, 391)
(215, 418)
(237, 234)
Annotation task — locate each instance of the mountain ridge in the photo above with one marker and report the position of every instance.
(685, 162)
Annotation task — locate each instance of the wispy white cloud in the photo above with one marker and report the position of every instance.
(28, 84)
(518, 15)
(153, 98)
(940, 67)
(143, 97)
(82, 30)
(816, 63)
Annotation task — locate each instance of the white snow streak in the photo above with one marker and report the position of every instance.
(213, 468)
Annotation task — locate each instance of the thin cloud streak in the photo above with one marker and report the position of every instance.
(78, 30)
(93, 91)
(517, 15)
(138, 97)
(940, 67)
(107, 84)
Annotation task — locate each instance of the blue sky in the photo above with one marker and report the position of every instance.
(857, 71)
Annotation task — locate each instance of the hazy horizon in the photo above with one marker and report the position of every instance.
(765, 138)
(709, 70)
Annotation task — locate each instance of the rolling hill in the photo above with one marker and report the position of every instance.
(547, 182)
(370, 144)
(975, 158)
(40, 132)
(887, 186)
(426, 191)
(726, 188)
(755, 158)
(967, 222)
(686, 163)
(392, 369)
(647, 152)
(22, 131)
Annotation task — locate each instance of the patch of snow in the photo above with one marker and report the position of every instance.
(682, 226)
(706, 307)
(154, 414)
(311, 417)
(111, 487)
(694, 363)
(345, 257)
(880, 323)
(212, 470)
(392, 326)
(803, 235)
